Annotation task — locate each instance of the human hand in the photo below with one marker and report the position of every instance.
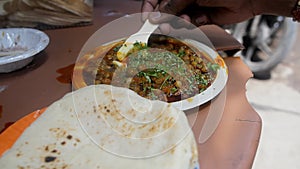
(219, 12)
(201, 12)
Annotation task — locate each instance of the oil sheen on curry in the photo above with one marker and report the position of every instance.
(165, 69)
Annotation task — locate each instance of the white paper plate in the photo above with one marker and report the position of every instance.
(211, 92)
(18, 46)
(215, 88)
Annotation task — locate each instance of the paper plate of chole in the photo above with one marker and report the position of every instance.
(124, 112)
(183, 72)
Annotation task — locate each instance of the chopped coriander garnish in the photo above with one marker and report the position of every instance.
(117, 48)
(173, 89)
(213, 66)
(140, 45)
(181, 53)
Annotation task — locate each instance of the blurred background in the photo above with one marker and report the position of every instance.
(44, 14)
(273, 54)
(277, 99)
(275, 92)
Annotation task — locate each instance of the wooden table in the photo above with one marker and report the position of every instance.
(229, 138)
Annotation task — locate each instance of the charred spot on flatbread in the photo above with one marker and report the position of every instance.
(49, 159)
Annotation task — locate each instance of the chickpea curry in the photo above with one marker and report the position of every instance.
(165, 69)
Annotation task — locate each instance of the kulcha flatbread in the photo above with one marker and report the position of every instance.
(105, 127)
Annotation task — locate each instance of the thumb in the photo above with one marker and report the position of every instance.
(174, 7)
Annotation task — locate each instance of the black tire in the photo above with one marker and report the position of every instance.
(267, 40)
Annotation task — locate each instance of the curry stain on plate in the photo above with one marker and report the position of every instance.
(66, 74)
(6, 125)
(220, 61)
(191, 99)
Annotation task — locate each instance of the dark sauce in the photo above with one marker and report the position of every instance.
(6, 125)
(66, 74)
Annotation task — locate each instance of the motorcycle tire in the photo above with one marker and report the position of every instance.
(267, 40)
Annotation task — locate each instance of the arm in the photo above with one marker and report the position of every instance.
(274, 7)
(220, 12)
